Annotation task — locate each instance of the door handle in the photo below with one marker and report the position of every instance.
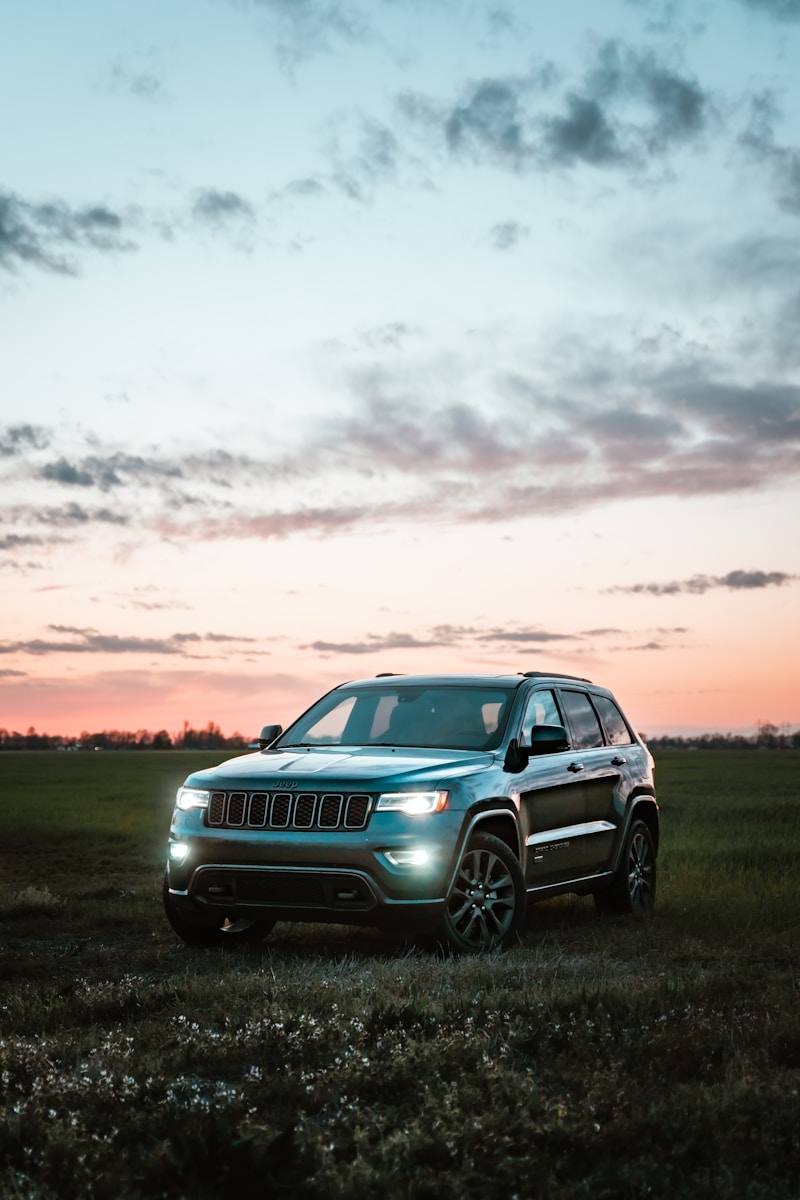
(574, 767)
(618, 761)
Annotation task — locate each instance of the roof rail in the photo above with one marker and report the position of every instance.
(552, 675)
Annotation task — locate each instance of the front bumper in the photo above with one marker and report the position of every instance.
(397, 872)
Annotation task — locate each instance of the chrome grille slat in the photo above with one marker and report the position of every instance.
(298, 812)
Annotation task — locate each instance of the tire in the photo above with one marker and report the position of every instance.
(486, 904)
(225, 932)
(633, 888)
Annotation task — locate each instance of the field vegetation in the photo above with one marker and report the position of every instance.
(602, 1059)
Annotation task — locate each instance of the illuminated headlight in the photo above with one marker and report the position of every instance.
(408, 858)
(191, 798)
(178, 851)
(412, 802)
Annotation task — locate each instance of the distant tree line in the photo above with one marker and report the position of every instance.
(210, 738)
(766, 737)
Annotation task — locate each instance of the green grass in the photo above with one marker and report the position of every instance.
(599, 1060)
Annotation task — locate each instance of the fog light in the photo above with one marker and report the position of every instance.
(408, 858)
(178, 851)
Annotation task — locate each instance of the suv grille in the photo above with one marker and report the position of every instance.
(288, 810)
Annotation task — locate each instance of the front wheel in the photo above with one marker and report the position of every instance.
(224, 932)
(485, 908)
(633, 888)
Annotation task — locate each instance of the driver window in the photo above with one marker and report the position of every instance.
(542, 710)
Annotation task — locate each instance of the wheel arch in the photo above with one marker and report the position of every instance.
(500, 824)
(645, 808)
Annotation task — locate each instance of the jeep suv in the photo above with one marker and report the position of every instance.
(436, 804)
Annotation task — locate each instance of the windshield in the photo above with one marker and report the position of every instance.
(442, 716)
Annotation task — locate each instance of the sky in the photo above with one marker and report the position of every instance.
(349, 336)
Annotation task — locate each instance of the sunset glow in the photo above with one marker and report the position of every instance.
(347, 338)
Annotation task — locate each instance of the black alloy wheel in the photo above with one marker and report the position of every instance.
(486, 905)
(633, 888)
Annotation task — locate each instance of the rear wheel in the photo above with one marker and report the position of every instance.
(633, 888)
(224, 932)
(485, 908)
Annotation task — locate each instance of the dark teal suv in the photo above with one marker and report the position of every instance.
(437, 804)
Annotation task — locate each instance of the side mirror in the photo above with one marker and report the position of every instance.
(268, 735)
(548, 739)
(545, 739)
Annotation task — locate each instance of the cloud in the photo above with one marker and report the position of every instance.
(527, 636)
(392, 336)
(392, 428)
(137, 77)
(70, 515)
(781, 10)
(758, 141)
(52, 235)
(14, 541)
(64, 472)
(698, 585)
(422, 441)
(15, 439)
(646, 646)
(115, 470)
(376, 644)
(507, 234)
(628, 109)
(440, 635)
(364, 153)
(218, 208)
(55, 236)
(273, 524)
(75, 640)
(305, 28)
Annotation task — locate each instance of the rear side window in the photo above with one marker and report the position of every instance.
(612, 718)
(586, 731)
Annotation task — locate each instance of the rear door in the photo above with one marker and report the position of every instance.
(602, 769)
(552, 801)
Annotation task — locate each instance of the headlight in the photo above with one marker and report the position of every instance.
(191, 798)
(413, 803)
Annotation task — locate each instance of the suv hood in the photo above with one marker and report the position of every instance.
(323, 766)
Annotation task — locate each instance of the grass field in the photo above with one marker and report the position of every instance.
(600, 1060)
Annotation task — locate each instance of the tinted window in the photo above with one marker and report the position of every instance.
(586, 731)
(617, 730)
(542, 710)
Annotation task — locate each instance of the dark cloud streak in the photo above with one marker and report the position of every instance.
(630, 108)
(698, 585)
(75, 640)
(49, 235)
(417, 449)
(780, 10)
